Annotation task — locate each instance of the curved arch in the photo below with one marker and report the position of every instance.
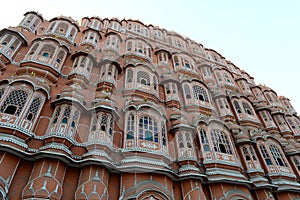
(267, 136)
(93, 30)
(135, 38)
(158, 111)
(113, 62)
(195, 81)
(204, 64)
(162, 49)
(219, 123)
(174, 34)
(140, 105)
(144, 188)
(63, 18)
(44, 39)
(35, 13)
(113, 33)
(35, 88)
(185, 54)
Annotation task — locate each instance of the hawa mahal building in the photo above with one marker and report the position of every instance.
(119, 110)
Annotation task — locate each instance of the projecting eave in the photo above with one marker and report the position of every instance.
(113, 33)
(70, 101)
(83, 53)
(162, 49)
(16, 33)
(105, 108)
(169, 78)
(182, 127)
(68, 19)
(35, 13)
(113, 62)
(91, 29)
(53, 39)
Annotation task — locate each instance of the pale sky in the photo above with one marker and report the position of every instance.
(260, 36)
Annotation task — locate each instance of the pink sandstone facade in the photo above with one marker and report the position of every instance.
(120, 110)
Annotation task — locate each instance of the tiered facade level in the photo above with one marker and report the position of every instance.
(119, 110)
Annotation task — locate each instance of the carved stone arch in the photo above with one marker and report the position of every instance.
(113, 33)
(236, 194)
(157, 111)
(145, 189)
(151, 195)
(135, 38)
(215, 124)
(33, 83)
(52, 41)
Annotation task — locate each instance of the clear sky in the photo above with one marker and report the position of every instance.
(260, 36)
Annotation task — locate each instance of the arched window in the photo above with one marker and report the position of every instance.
(129, 46)
(57, 113)
(66, 115)
(14, 103)
(220, 104)
(227, 77)
(94, 122)
(199, 93)
(187, 91)
(204, 140)
(15, 45)
(221, 142)
(33, 109)
(52, 25)
(252, 153)
(143, 78)
(297, 163)
(188, 140)
(129, 75)
(47, 51)
(2, 90)
(246, 153)
(103, 123)
(130, 127)
(265, 155)
(148, 129)
(185, 144)
(291, 123)
(167, 88)
(237, 107)
(111, 126)
(174, 88)
(163, 134)
(278, 157)
(176, 61)
(247, 108)
(62, 28)
(180, 141)
(269, 97)
(60, 57)
(154, 83)
(33, 49)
